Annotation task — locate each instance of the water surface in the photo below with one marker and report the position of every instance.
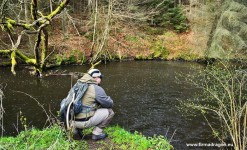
(145, 93)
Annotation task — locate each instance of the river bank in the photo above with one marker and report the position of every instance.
(55, 137)
(128, 44)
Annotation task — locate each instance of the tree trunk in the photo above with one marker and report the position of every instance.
(37, 27)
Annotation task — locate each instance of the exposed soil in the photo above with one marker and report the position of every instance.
(101, 144)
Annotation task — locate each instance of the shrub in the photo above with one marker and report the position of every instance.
(224, 93)
(159, 50)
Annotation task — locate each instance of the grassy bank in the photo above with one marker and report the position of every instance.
(167, 45)
(55, 138)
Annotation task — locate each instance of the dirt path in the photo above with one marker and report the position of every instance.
(105, 144)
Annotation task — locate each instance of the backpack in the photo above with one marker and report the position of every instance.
(72, 105)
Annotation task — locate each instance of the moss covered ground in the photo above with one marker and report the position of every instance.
(55, 137)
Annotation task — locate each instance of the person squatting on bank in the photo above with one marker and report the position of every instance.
(97, 111)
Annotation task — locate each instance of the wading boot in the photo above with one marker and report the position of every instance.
(99, 137)
(78, 135)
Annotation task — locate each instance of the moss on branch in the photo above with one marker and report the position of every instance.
(34, 9)
(10, 23)
(44, 40)
(58, 9)
(13, 62)
(5, 51)
(25, 58)
(15, 53)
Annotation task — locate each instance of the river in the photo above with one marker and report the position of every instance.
(146, 96)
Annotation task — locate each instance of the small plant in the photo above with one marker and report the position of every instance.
(224, 94)
(59, 59)
(159, 50)
(23, 120)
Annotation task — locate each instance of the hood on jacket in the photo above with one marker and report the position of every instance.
(88, 79)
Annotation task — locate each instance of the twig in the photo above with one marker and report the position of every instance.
(37, 102)
(49, 54)
(167, 132)
(172, 135)
(17, 123)
(72, 21)
(1, 112)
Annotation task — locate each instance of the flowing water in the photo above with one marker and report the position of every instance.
(145, 93)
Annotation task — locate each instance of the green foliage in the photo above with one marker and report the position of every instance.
(23, 121)
(229, 39)
(75, 56)
(89, 36)
(154, 30)
(136, 141)
(159, 51)
(58, 59)
(142, 56)
(49, 138)
(169, 15)
(178, 19)
(54, 137)
(224, 94)
(134, 39)
(188, 57)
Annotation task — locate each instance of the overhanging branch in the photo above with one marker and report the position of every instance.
(5, 51)
(58, 9)
(38, 26)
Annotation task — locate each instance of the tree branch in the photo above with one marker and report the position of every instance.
(5, 51)
(34, 9)
(58, 9)
(44, 47)
(25, 58)
(13, 62)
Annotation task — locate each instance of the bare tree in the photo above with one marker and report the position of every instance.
(223, 93)
(100, 34)
(15, 28)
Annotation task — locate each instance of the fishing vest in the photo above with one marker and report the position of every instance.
(88, 100)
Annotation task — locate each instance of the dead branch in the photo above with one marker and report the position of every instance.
(1, 110)
(39, 104)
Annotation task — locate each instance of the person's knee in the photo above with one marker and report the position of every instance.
(111, 112)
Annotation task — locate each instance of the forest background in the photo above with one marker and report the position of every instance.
(65, 32)
(50, 33)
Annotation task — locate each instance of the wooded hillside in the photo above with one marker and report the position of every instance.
(92, 30)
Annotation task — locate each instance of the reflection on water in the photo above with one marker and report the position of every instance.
(145, 96)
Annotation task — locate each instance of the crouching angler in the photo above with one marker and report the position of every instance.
(97, 107)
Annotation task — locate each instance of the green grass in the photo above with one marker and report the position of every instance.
(55, 138)
(136, 141)
(48, 138)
